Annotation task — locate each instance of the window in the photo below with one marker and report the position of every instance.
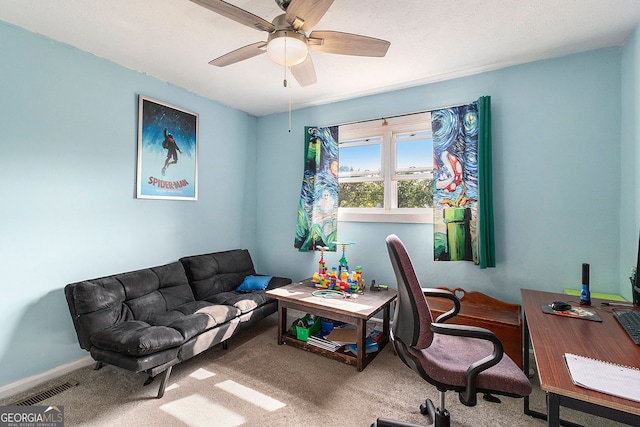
(386, 170)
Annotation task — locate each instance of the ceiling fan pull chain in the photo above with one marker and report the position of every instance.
(285, 80)
(285, 62)
(289, 92)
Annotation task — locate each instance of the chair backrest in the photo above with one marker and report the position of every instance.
(412, 317)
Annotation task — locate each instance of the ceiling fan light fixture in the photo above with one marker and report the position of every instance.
(287, 47)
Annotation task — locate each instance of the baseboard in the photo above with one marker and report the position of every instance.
(35, 380)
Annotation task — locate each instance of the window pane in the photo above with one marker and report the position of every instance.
(361, 194)
(359, 160)
(415, 193)
(414, 153)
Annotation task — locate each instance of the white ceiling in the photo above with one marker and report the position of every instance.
(431, 40)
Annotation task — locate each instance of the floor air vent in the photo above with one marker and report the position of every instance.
(43, 395)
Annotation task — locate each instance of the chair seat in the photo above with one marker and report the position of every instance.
(448, 357)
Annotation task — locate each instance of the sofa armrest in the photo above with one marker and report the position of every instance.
(277, 282)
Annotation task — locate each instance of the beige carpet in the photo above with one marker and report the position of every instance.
(259, 383)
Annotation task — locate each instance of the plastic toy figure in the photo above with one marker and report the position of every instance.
(322, 268)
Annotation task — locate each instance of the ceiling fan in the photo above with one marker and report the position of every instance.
(288, 43)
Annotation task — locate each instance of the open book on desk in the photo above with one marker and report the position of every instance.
(605, 377)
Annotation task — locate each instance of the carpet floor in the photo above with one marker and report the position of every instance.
(256, 382)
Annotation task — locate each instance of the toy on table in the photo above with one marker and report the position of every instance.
(376, 287)
(339, 278)
(322, 268)
(343, 264)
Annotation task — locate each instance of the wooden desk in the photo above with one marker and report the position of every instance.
(552, 336)
(355, 311)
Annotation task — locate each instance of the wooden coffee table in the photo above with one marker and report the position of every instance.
(356, 311)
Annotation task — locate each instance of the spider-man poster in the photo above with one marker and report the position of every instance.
(167, 151)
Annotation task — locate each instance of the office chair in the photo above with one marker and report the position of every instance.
(465, 359)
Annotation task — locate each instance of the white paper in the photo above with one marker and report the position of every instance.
(621, 381)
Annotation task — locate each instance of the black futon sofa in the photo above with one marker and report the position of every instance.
(149, 320)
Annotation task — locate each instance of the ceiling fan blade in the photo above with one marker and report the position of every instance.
(309, 11)
(241, 54)
(304, 72)
(347, 44)
(235, 13)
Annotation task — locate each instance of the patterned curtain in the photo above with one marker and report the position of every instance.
(317, 223)
(456, 181)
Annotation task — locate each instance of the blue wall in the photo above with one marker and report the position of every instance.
(556, 148)
(565, 147)
(630, 155)
(69, 212)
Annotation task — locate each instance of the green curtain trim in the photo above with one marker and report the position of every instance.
(486, 244)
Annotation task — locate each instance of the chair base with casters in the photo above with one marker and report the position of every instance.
(439, 417)
(461, 358)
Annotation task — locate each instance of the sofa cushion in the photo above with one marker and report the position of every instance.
(254, 283)
(139, 283)
(217, 272)
(243, 301)
(219, 313)
(196, 317)
(174, 285)
(204, 319)
(95, 305)
(98, 294)
(156, 290)
(147, 306)
(137, 338)
(166, 318)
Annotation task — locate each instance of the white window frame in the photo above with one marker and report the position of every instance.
(386, 128)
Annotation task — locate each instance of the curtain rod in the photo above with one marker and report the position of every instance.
(394, 116)
(379, 118)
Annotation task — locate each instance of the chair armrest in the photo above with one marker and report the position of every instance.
(468, 397)
(441, 293)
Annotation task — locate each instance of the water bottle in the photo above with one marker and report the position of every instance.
(585, 295)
